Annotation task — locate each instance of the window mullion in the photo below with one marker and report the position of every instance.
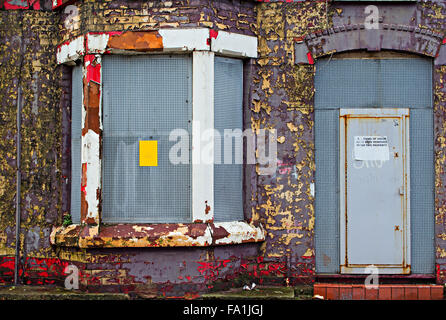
(202, 138)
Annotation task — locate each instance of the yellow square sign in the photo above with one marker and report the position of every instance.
(148, 153)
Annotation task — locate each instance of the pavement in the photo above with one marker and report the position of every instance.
(57, 293)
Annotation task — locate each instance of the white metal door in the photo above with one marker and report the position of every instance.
(374, 190)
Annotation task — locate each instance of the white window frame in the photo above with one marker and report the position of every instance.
(203, 43)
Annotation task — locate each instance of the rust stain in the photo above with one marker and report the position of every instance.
(90, 221)
(138, 41)
(91, 102)
(219, 233)
(208, 208)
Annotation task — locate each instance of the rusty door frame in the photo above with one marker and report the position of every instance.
(403, 114)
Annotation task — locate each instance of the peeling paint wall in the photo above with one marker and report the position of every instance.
(27, 59)
(282, 99)
(280, 96)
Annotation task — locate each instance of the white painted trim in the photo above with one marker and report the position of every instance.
(174, 40)
(71, 51)
(97, 43)
(387, 269)
(90, 156)
(203, 119)
(178, 40)
(234, 44)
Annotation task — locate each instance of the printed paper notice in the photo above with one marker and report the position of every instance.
(371, 148)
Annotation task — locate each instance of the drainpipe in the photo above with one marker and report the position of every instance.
(18, 190)
(18, 139)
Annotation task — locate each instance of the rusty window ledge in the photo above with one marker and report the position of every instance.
(157, 235)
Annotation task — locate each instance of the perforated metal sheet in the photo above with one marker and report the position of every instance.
(367, 83)
(145, 98)
(392, 83)
(228, 114)
(76, 133)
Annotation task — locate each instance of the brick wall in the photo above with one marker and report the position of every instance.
(281, 96)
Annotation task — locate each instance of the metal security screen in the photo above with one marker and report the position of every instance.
(76, 133)
(372, 83)
(145, 98)
(228, 115)
(327, 191)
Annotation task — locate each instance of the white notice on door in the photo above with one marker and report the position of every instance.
(371, 148)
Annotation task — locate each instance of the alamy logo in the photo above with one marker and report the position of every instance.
(211, 146)
(372, 280)
(72, 20)
(372, 18)
(72, 279)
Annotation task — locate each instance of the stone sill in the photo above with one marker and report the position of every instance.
(157, 235)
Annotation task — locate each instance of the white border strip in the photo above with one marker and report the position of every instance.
(234, 44)
(185, 39)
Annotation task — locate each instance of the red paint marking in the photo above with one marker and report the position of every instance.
(212, 34)
(310, 58)
(110, 33)
(35, 270)
(93, 68)
(9, 6)
(58, 4)
(84, 183)
(59, 47)
(211, 270)
(444, 41)
(36, 5)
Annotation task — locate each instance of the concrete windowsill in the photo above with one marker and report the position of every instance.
(157, 235)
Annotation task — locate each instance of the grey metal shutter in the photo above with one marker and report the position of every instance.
(327, 190)
(422, 181)
(372, 83)
(369, 83)
(228, 114)
(76, 134)
(145, 98)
